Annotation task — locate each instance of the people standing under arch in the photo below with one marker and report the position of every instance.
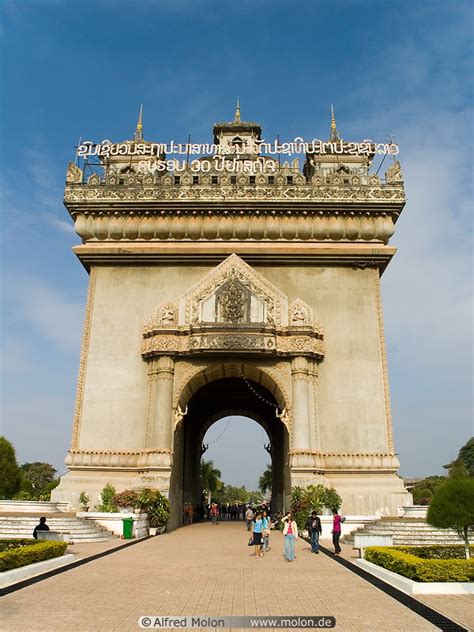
(249, 516)
(290, 531)
(214, 513)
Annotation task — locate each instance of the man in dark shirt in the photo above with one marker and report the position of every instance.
(42, 526)
(314, 530)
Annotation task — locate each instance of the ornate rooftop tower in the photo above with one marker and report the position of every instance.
(234, 283)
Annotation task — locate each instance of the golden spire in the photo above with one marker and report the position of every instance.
(139, 130)
(237, 112)
(334, 132)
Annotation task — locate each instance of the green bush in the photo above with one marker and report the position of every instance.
(419, 569)
(29, 554)
(107, 500)
(314, 497)
(156, 505)
(436, 552)
(6, 544)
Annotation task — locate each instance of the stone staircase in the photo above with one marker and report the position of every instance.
(22, 526)
(406, 532)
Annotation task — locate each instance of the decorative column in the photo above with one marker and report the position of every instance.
(301, 407)
(160, 403)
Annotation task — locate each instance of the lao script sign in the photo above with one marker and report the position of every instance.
(298, 146)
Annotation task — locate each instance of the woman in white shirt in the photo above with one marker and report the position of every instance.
(290, 532)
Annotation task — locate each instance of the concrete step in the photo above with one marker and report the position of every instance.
(406, 533)
(19, 526)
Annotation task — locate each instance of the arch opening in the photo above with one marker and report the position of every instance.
(224, 397)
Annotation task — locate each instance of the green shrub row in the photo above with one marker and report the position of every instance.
(418, 569)
(436, 552)
(24, 555)
(13, 544)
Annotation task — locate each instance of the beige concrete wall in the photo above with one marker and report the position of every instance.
(115, 394)
(350, 403)
(349, 393)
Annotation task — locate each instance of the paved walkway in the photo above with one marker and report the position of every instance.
(203, 570)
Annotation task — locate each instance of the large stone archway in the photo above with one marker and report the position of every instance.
(221, 397)
(221, 278)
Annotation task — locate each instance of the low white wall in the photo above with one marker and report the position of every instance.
(54, 536)
(415, 511)
(7, 578)
(411, 587)
(351, 524)
(113, 521)
(36, 506)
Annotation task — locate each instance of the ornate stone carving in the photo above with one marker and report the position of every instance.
(140, 459)
(233, 309)
(253, 225)
(383, 355)
(393, 174)
(192, 374)
(93, 180)
(300, 314)
(83, 359)
(179, 414)
(73, 174)
(167, 314)
(273, 303)
(317, 191)
(233, 302)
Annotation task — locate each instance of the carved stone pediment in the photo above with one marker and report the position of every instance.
(234, 293)
(233, 309)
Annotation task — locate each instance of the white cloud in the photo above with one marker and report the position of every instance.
(57, 316)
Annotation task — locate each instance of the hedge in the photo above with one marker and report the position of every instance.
(29, 554)
(14, 544)
(437, 552)
(419, 569)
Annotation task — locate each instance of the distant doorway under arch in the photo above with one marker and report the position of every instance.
(210, 403)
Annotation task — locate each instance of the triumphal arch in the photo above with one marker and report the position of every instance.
(225, 279)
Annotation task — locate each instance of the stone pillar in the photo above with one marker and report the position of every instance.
(301, 404)
(160, 404)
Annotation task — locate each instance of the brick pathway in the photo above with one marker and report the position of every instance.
(203, 570)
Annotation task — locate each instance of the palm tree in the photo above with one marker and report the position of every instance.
(265, 481)
(210, 478)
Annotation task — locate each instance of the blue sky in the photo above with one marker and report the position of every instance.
(83, 69)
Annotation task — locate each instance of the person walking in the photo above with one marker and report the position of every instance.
(249, 516)
(314, 531)
(336, 531)
(214, 513)
(290, 531)
(266, 531)
(257, 529)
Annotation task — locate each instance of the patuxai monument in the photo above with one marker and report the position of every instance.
(227, 278)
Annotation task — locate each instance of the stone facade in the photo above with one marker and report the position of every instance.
(265, 290)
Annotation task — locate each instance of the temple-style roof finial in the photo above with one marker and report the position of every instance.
(139, 130)
(237, 112)
(334, 132)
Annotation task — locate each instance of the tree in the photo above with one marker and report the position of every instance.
(255, 498)
(464, 463)
(210, 478)
(231, 494)
(452, 507)
(265, 481)
(10, 474)
(39, 476)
